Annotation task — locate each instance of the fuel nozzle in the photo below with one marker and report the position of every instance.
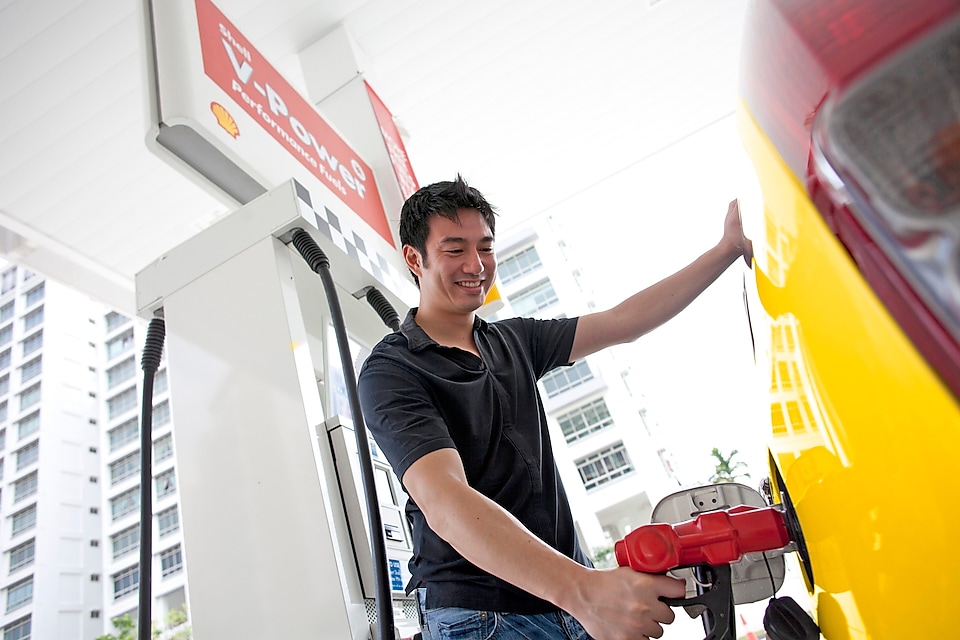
(714, 538)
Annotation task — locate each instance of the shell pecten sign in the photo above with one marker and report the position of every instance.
(224, 119)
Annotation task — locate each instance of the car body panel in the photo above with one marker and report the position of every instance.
(864, 435)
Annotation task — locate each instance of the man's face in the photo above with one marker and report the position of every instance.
(458, 269)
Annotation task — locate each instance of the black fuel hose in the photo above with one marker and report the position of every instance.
(318, 262)
(149, 362)
(383, 308)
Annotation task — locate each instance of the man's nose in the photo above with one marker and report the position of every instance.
(473, 263)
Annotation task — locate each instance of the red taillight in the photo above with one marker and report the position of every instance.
(862, 100)
(796, 52)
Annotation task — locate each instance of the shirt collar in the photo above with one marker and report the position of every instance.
(417, 338)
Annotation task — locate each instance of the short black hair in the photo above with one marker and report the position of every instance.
(440, 199)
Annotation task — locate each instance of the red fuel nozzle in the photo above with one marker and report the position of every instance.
(714, 538)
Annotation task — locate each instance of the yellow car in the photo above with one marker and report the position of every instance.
(850, 114)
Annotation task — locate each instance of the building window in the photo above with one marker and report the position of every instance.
(126, 541)
(33, 319)
(604, 465)
(161, 414)
(9, 279)
(534, 298)
(5, 359)
(3, 439)
(6, 334)
(29, 396)
(22, 555)
(3, 411)
(126, 502)
(35, 295)
(126, 432)
(585, 419)
(126, 582)
(25, 487)
(125, 467)
(166, 483)
(31, 369)
(171, 561)
(115, 321)
(28, 455)
(122, 402)
(6, 312)
(4, 384)
(1, 468)
(120, 345)
(563, 378)
(32, 343)
(95, 613)
(19, 594)
(19, 630)
(168, 521)
(163, 448)
(160, 383)
(28, 425)
(24, 520)
(518, 264)
(121, 372)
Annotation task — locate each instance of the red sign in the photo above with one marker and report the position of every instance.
(257, 88)
(391, 137)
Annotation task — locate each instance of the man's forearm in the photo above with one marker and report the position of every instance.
(491, 538)
(653, 306)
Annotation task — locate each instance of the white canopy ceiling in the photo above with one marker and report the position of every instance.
(533, 101)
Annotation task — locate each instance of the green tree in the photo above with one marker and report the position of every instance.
(175, 626)
(125, 627)
(604, 558)
(726, 468)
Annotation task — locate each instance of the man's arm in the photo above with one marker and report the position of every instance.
(653, 306)
(610, 604)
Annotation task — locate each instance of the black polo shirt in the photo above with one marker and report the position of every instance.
(418, 396)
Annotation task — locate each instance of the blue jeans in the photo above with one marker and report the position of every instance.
(451, 623)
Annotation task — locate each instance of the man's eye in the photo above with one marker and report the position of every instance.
(454, 251)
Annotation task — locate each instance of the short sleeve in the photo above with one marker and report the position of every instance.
(400, 414)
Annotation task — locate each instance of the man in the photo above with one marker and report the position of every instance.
(453, 403)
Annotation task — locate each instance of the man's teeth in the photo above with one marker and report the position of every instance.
(470, 285)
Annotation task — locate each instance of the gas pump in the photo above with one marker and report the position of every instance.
(274, 528)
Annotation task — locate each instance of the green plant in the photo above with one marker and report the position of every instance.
(726, 468)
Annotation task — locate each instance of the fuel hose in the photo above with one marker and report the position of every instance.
(318, 262)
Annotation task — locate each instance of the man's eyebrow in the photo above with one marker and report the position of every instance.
(459, 240)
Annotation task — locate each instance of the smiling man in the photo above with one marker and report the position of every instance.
(453, 403)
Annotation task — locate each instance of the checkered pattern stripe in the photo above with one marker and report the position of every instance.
(338, 230)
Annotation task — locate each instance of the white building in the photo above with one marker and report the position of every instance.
(606, 445)
(122, 381)
(49, 460)
(70, 396)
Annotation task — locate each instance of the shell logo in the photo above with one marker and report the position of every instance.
(224, 119)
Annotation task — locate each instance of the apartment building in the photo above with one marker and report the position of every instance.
(50, 452)
(70, 400)
(606, 443)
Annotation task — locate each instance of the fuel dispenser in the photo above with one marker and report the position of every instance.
(275, 531)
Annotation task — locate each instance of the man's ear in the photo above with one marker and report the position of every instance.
(413, 259)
